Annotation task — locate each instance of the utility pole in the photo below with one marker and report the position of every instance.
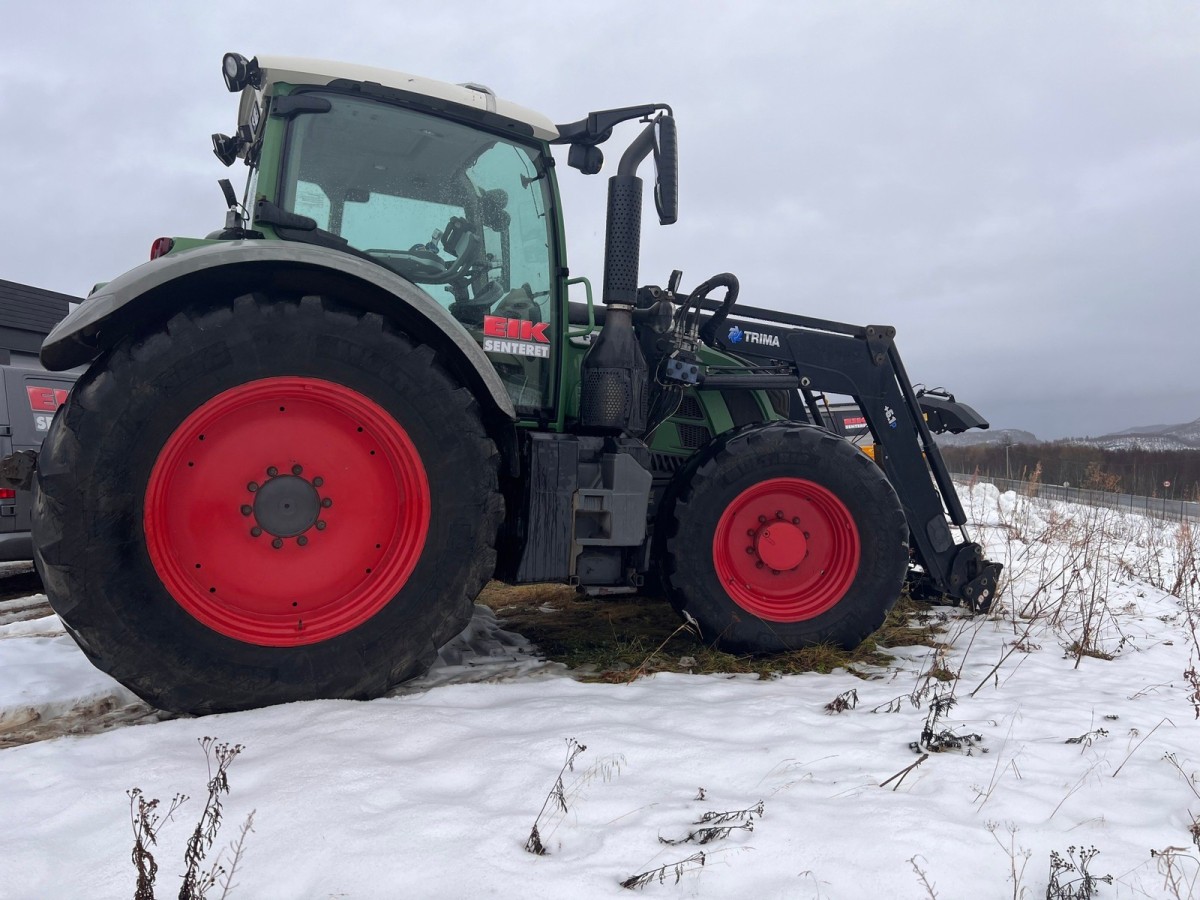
(1008, 442)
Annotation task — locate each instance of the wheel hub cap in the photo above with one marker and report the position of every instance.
(286, 506)
(786, 549)
(781, 545)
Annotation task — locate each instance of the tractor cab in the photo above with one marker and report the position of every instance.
(445, 185)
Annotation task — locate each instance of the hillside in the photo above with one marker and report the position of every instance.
(1157, 437)
(1142, 437)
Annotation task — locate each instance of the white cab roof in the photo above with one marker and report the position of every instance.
(297, 70)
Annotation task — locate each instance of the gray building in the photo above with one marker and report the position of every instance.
(26, 316)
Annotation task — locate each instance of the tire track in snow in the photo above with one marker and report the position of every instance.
(69, 697)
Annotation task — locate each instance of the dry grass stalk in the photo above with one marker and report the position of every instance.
(556, 798)
(636, 882)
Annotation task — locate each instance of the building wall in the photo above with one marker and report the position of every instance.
(27, 314)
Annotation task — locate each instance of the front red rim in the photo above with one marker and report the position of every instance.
(786, 550)
(286, 511)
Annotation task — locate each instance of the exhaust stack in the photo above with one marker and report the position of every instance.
(615, 388)
(615, 384)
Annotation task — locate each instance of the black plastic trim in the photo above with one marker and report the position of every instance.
(297, 104)
(743, 407)
(445, 108)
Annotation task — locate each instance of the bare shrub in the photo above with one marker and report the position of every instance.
(923, 877)
(1016, 871)
(560, 797)
(842, 702)
(147, 821)
(1180, 871)
(556, 798)
(1084, 885)
(695, 861)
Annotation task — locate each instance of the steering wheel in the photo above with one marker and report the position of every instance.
(423, 264)
(417, 264)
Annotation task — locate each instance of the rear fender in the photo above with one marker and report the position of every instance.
(155, 291)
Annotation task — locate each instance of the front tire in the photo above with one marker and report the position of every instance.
(783, 536)
(274, 501)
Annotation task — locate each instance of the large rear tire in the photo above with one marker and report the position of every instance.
(266, 502)
(782, 536)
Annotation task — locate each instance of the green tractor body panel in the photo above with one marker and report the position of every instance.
(700, 416)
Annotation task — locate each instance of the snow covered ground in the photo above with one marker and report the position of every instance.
(432, 792)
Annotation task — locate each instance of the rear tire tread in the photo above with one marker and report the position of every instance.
(88, 523)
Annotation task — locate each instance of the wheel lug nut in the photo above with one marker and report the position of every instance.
(774, 571)
(750, 550)
(302, 540)
(318, 481)
(297, 469)
(762, 519)
(327, 502)
(277, 543)
(779, 513)
(749, 532)
(320, 526)
(247, 509)
(759, 564)
(795, 520)
(252, 486)
(255, 531)
(272, 471)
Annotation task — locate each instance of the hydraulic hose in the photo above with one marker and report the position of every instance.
(727, 280)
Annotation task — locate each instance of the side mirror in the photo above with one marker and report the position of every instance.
(666, 170)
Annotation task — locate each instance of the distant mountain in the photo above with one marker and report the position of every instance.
(1155, 437)
(1000, 436)
(1143, 429)
(1189, 432)
(1144, 437)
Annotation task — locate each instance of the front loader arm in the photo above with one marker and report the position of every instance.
(816, 355)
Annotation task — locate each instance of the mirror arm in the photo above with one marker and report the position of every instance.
(597, 127)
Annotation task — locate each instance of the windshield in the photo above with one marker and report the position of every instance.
(458, 211)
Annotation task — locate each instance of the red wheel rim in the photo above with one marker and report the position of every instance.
(286, 511)
(786, 549)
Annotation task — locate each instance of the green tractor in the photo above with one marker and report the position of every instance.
(304, 443)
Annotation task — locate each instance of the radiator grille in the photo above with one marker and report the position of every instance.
(689, 407)
(693, 436)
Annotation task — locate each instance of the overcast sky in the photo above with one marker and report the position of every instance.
(1015, 186)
